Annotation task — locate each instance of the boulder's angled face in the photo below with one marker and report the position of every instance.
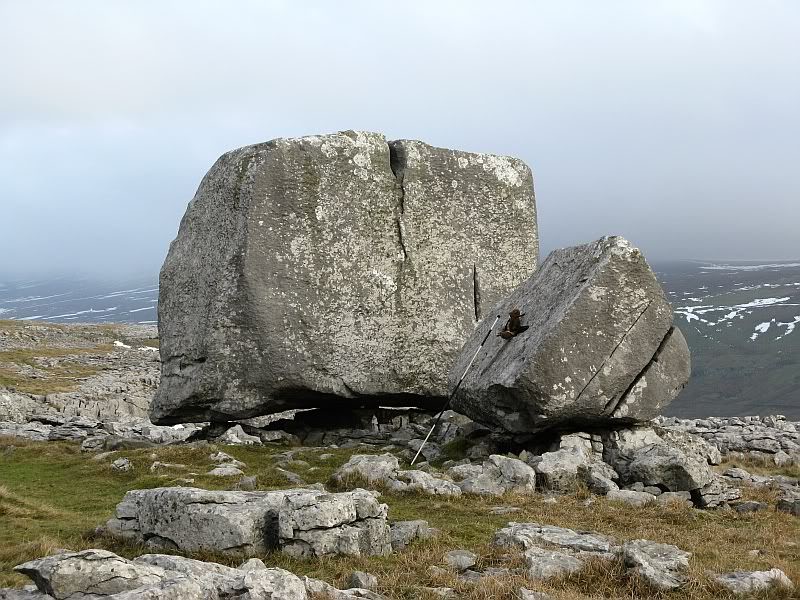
(337, 268)
(599, 349)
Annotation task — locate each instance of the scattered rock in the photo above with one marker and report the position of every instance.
(247, 484)
(789, 502)
(460, 560)
(750, 507)
(235, 436)
(715, 494)
(637, 499)
(664, 566)
(498, 475)
(545, 564)
(369, 468)
(403, 533)
(123, 465)
(528, 535)
(748, 582)
(526, 594)
(225, 471)
(360, 579)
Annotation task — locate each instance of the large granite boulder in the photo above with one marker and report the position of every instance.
(312, 270)
(600, 348)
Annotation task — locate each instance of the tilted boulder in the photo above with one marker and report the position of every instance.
(299, 522)
(600, 347)
(335, 268)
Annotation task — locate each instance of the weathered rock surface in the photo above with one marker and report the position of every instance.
(312, 270)
(94, 574)
(300, 522)
(674, 462)
(385, 470)
(663, 565)
(404, 532)
(759, 435)
(496, 476)
(600, 348)
(119, 381)
(748, 582)
(555, 551)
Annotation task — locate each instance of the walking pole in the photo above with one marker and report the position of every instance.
(455, 389)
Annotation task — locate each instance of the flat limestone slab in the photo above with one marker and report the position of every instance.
(300, 522)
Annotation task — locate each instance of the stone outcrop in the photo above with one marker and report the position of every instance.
(102, 574)
(314, 270)
(767, 436)
(600, 348)
(299, 522)
(551, 551)
(743, 583)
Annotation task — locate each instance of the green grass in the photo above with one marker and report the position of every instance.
(53, 496)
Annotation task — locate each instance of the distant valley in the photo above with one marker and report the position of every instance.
(741, 320)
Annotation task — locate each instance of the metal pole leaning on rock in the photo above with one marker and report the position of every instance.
(455, 389)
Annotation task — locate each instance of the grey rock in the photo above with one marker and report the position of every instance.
(235, 436)
(225, 471)
(748, 582)
(715, 494)
(526, 594)
(247, 484)
(545, 564)
(678, 498)
(631, 497)
(642, 455)
(789, 502)
(441, 592)
(750, 507)
(13, 594)
(402, 533)
(664, 566)
(661, 464)
(369, 468)
(782, 459)
(67, 575)
(420, 481)
(123, 465)
(360, 579)
(460, 560)
(300, 522)
(220, 457)
(754, 436)
(498, 475)
(503, 510)
(528, 535)
(362, 246)
(600, 346)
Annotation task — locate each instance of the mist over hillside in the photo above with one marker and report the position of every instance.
(740, 318)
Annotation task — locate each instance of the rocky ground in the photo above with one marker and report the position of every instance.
(685, 509)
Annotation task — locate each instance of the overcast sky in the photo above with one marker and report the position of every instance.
(675, 124)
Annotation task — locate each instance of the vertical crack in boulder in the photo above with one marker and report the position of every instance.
(397, 165)
(476, 293)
